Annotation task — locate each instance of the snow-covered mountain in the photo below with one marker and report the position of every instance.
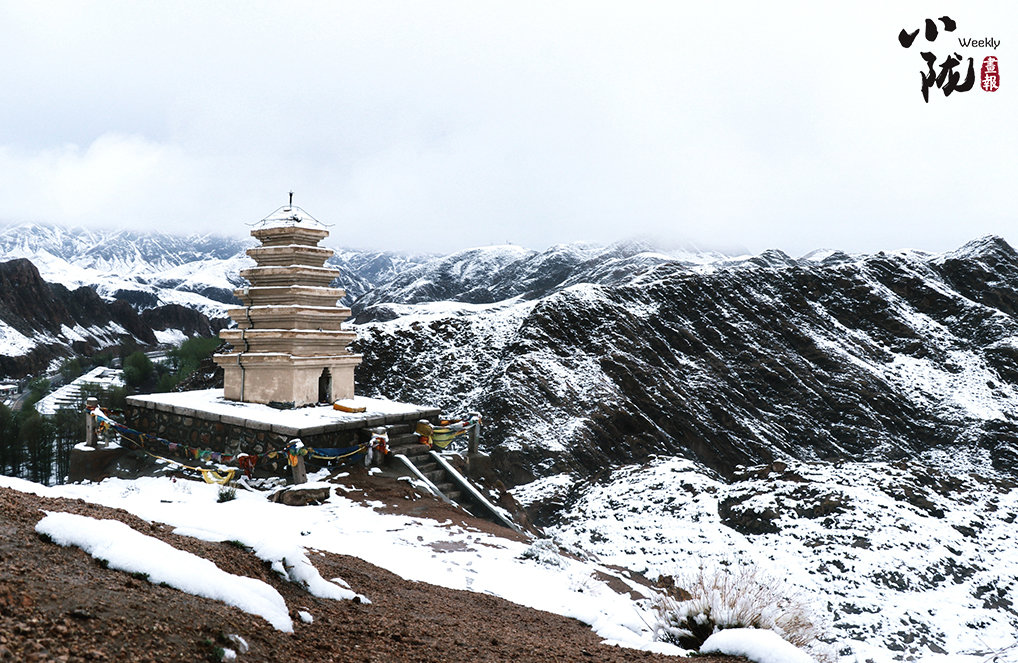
(730, 362)
(149, 269)
(497, 273)
(622, 384)
(622, 408)
(41, 322)
(144, 269)
(165, 279)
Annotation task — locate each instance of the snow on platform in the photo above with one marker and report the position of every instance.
(210, 404)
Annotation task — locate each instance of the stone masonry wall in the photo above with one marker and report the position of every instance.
(226, 438)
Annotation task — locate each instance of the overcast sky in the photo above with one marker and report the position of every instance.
(442, 125)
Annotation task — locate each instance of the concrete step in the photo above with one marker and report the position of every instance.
(412, 449)
(445, 486)
(400, 429)
(406, 441)
(420, 459)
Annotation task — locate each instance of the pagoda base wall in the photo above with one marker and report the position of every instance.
(203, 420)
(269, 378)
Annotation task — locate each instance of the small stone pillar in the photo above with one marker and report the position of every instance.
(91, 460)
(298, 471)
(475, 434)
(90, 438)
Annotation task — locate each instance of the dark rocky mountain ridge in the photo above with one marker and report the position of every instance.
(581, 356)
(64, 322)
(739, 362)
(496, 273)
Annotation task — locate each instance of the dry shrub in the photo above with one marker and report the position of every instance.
(740, 597)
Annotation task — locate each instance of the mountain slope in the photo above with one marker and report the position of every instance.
(874, 357)
(148, 269)
(41, 321)
(909, 560)
(433, 576)
(145, 269)
(496, 273)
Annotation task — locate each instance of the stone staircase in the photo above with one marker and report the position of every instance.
(451, 485)
(402, 440)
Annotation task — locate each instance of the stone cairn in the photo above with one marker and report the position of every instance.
(289, 347)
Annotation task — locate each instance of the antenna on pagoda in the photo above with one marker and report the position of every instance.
(291, 198)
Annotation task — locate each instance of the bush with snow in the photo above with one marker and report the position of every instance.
(226, 494)
(742, 597)
(544, 552)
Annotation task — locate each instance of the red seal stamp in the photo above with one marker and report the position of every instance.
(989, 76)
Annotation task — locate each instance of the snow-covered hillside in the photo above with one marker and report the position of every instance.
(872, 357)
(873, 376)
(168, 281)
(148, 269)
(624, 385)
(535, 574)
(910, 559)
(144, 269)
(492, 274)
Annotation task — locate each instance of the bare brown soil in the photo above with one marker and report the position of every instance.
(59, 604)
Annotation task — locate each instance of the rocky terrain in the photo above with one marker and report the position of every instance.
(873, 398)
(41, 321)
(60, 604)
(738, 362)
(908, 559)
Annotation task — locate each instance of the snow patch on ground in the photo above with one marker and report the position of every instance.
(126, 549)
(172, 337)
(13, 343)
(760, 646)
(417, 549)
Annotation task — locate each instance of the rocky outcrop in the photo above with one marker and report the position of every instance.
(872, 357)
(174, 316)
(47, 321)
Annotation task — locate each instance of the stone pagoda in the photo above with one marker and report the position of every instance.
(289, 347)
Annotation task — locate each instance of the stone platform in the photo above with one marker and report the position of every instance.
(207, 420)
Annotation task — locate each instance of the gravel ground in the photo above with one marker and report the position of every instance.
(58, 604)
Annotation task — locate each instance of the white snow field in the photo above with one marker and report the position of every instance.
(910, 563)
(872, 566)
(442, 553)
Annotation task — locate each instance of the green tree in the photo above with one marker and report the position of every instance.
(68, 430)
(138, 369)
(189, 356)
(71, 369)
(10, 442)
(102, 359)
(37, 436)
(167, 381)
(37, 388)
(110, 398)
